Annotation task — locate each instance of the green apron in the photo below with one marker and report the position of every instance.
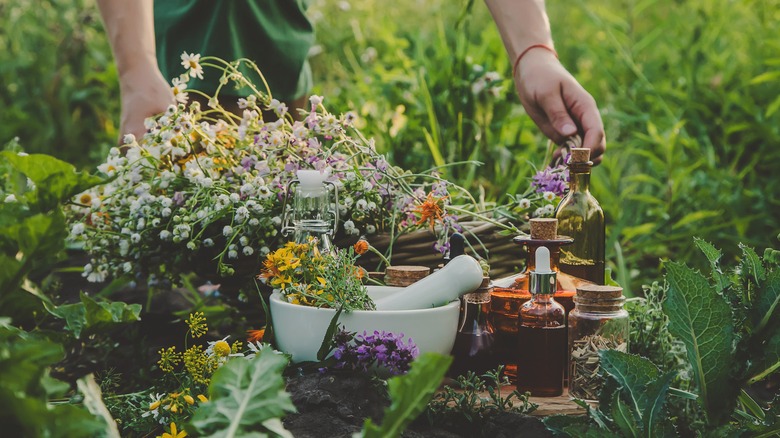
(276, 34)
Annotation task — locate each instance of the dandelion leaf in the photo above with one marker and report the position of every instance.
(702, 320)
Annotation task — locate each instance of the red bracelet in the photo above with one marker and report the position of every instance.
(528, 49)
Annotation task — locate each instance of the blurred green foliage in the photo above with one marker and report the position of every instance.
(59, 90)
(689, 93)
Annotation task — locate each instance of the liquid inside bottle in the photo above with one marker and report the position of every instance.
(473, 350)
(542, 343)
(580, 217)
(510, 293)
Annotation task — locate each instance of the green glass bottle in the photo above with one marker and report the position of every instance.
(580, 217)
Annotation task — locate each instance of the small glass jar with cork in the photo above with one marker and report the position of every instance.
(598, 322)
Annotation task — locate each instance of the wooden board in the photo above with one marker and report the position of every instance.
(561, 405)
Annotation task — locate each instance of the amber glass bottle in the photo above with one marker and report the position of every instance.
(510, 293)
(541, 335)
(473, 350)
(581, 218)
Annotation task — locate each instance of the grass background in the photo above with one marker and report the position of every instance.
(689, 93)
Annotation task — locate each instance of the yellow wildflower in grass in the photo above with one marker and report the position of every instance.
(188, 398)
(202, 398)
(174, 433)
(197, 324)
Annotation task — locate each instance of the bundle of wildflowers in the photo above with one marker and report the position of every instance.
(206, 185)
(305, 276)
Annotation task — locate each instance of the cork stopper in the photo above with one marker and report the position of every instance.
(481, 295)
(404, 275)
(579, 155)
(544, 228)
(599, 292)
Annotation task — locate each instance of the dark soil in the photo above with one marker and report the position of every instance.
(336, 405)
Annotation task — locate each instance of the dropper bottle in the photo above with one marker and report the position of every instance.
(541, 334)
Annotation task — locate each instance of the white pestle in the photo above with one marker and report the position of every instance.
(461, 275)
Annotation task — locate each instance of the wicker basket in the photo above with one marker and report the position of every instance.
(416, 248)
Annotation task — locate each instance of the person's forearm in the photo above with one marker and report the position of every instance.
(130, 28)
(521, 23)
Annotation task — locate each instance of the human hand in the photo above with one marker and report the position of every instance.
(557, 103)
(145, 93)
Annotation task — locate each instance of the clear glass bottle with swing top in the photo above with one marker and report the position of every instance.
(313, 214)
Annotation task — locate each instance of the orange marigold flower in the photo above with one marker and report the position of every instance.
(255, 335)
(361, 247)
(431, 210)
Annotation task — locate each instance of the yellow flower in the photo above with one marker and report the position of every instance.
(188, 398)
(221, 348)
(154, 405)
(174, 433)
(202, 398)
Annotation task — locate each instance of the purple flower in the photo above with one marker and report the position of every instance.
(384, 349)
(178, 198)
(552, 179)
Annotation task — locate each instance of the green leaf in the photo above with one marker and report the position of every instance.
(409, 395)
(652, 418)
(623, 417)
(574, 427)
(696, 216)
(327, 340)
(633, 373)
(25, 387)
(765, 359)
(56, 180)
(247, 396)
(713, 255)
(767, 301)
(701, 319)
(751, 264)
(91, 315)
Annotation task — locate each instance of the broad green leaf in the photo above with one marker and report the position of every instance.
(623, 417)
(652, 417)
(56, 180)
(701, 319)
(90, 315)
(633, 373)
(767, 302)
(713, 255)
(246, 396)
(409, 395)
(105, 312)
(751, 264)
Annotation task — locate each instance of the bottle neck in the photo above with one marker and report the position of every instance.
(542, 298)
(579, 178)
(555, 256)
